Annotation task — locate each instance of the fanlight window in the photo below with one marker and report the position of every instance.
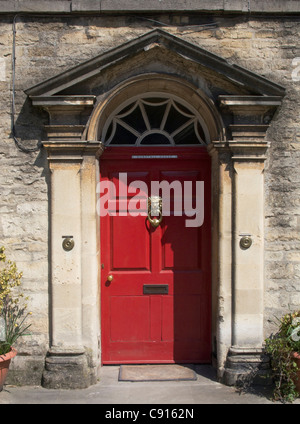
(155, 120)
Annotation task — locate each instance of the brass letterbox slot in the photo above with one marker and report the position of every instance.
(155, 289)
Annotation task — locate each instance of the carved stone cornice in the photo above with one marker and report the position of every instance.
(248, 150)
(63, 102)
(248, 116)
(248, 103)
(64, 132)
(68, 115)
(248, 132)
(240, 150)
(64, 105)
(72, 151)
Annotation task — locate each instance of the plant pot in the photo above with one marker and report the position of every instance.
(296, 358)
(4, 365)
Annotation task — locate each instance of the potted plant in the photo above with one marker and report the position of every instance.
(13, 313)
(284, 350)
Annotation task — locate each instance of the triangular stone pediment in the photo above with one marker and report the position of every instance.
(159, 40)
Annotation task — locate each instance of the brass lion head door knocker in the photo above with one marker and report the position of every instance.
(155, 209)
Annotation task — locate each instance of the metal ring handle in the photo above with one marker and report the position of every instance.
(154, 221)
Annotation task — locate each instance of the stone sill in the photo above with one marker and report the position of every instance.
(151, 6)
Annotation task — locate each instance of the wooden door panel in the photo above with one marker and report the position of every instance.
(175, 235)
(168, 319)
(123, 255)
(125, 313)
(156, 306)
(154, 328)
(186, 314)
(159, 352)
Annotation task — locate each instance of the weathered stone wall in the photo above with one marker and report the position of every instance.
(47, 45)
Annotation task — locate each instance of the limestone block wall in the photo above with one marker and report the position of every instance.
(49, 44)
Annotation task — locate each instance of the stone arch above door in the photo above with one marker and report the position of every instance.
(157, 85)
(237, 106)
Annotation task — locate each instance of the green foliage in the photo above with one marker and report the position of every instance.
(9, 277)
(280, 347)
(13, 309)
(290, 329)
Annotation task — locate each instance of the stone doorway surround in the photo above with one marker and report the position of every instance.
(237, 119)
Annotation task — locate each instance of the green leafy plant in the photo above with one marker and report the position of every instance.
(280, 347)
(13, 307)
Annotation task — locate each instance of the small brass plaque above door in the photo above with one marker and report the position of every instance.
(155, 289)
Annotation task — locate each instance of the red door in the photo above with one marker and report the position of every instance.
(157, 307)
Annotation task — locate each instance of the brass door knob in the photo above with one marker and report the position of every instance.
(110, 278)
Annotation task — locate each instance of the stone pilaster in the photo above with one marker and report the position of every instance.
(245, 356)
(70, 363)
(221, 252)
